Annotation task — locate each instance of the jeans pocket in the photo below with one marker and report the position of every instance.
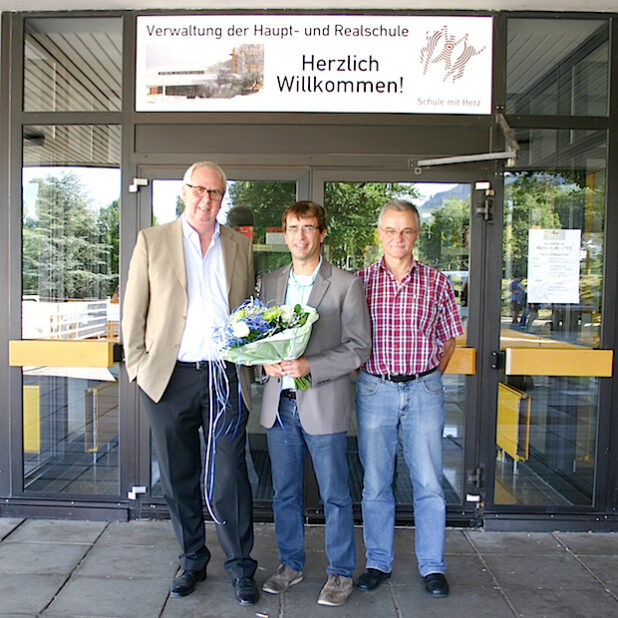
(366, 387)
(433, 384)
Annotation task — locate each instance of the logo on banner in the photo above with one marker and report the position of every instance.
(443, 47)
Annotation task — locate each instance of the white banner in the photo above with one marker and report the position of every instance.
(553, 266)
(405, 64)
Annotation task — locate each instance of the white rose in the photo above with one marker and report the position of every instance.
(240, 330)
(287, 313)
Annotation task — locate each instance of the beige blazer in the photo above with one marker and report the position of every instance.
(340, 342)
(155, 301)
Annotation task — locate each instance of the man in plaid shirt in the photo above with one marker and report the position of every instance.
(400, 395)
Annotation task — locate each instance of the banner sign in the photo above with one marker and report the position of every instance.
(309, 63)
(553, 266)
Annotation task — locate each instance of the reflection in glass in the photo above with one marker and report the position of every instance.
(70, 292)
(558, 67)
(546, 429)
(72, 64)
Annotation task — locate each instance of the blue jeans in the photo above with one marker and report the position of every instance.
(413, 412)
(287, 447)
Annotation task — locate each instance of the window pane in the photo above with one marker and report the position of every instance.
(70, 214)
(557, 67)
(559, 195)
(73, 64)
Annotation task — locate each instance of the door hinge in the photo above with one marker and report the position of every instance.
(476, 495)
(135, 490)
(137, 183)
(486, 206)
(498, 359)
(476, 477)
(118, 353)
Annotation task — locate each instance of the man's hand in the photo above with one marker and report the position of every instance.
(449, 348)
(292, 368)
(274, 371)
(298, 368)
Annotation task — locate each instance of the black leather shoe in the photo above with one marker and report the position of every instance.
(371, 579)
(184, 583)
(436, 584)
(246, 591)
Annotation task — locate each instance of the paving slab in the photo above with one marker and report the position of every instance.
(413, 601)
(590, 543)
(139, 532)
(561, 603)
(27, 594)
(514, 543)
(73, 569)
(40, 558)
(8, 526)
(541, 571)
(605, 568)
(133, 561)
(458, 543)
(110, 598)
(59, 531)
(301, 601)
(214, 598)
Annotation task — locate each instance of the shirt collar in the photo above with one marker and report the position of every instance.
(313, 275)
(190, 232)
(382, 266)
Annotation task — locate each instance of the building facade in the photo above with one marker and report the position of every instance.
(515, 171)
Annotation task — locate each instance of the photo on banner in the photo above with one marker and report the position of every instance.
(364, 64)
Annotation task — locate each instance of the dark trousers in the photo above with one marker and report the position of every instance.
(175, 422)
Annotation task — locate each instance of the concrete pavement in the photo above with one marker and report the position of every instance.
(68, 569)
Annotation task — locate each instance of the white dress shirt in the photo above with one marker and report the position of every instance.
(207, 307)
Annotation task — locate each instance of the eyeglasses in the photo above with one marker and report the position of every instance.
(407, 232)
(306, 229)
(199, 191)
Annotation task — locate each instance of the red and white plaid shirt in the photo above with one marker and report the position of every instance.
(411, 320)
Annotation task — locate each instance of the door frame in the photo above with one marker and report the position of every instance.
(137, 452)
(481, 400)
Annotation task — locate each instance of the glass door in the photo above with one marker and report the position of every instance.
(70, 312)
(353, 201)
(253, 204)
(551, 320)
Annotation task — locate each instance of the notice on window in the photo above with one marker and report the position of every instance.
(553, 266)
(314, 63)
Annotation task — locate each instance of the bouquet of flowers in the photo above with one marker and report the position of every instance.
(259, 335)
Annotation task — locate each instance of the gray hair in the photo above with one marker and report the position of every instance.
(186, 179)
(399, 206)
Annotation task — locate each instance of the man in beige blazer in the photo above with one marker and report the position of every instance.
(184, 279)
(316, 419)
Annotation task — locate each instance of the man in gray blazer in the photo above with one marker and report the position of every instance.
(318, 418)
(184, 279)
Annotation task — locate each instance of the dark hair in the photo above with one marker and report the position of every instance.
(305, 209)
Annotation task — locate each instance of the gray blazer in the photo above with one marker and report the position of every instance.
(340, 342)
(155, 302)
